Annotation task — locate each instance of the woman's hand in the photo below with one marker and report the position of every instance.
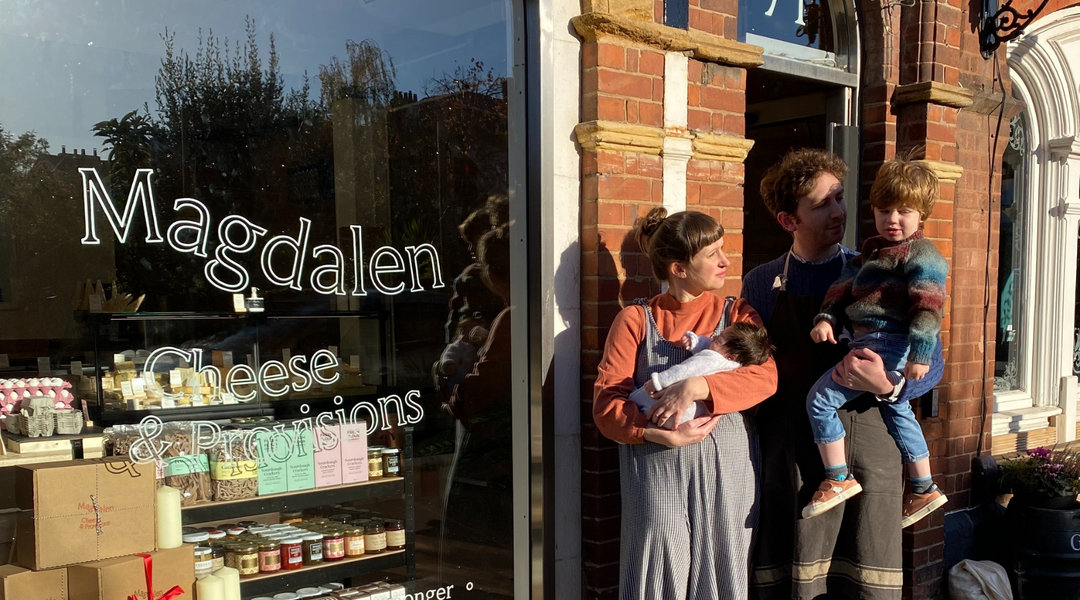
(863, 371)
(823, 331)
(677, 398)
(690, 432)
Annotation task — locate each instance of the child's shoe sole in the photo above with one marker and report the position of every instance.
(922, 513)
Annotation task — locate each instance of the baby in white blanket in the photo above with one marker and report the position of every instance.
(737, 346)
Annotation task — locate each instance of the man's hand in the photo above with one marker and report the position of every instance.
(690, 432)
(863, 371)
(821, 332)
(914, 371)
(677, 398)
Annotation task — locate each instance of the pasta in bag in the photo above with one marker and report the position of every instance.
(234, 467)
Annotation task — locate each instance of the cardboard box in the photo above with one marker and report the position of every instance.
(83, 510)
(354, 465)
(119, 578)
(301, 464)
(17, 583)
(327, 456)
(273, 457)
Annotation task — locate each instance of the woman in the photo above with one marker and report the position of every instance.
(689, 495)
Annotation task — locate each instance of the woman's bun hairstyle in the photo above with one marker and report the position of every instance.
(676, 238)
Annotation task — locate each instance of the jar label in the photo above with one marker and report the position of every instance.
(316, 551)
(205, 567)
(376, 541)
(354, 546)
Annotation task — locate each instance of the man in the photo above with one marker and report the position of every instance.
(854, 550)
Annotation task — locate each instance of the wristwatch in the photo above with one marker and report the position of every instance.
(897, 388)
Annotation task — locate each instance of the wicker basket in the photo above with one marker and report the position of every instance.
(69, 422)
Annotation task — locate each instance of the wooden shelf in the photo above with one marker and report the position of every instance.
(282, 581)
(232, 509)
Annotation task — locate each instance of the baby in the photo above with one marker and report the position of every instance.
(458, 357)
(737, 346)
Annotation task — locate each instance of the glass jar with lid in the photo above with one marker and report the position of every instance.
(374, 538)
(354, 542)
(391, 462)
(248, 560)
(333, 544)
(218, 557)
(269, 557)
(204, 561)
(395, 535)
(198, 538)
(375, 465)
(292, 553)
(313, 549)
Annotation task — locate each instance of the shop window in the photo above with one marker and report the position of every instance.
(282, 210)
(1012, 257)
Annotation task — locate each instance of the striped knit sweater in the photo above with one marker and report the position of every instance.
(892, 287)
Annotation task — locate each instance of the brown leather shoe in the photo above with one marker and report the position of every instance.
(918, 506)
(829, 495)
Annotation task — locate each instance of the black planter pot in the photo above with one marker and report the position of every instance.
(1045, 550)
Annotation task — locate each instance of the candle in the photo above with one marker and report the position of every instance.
(231, 578)
(169, 528)
(210, 588)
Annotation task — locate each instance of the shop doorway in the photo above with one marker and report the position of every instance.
(785, 112)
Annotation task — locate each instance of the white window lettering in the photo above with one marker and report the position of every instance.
(250, 233)
(378, 268)
(433, 260)
(358, 260)
(140, 194)
(298, 247)
(321, 360)
(200, 227)
(273, 371)
(241, 375)
(335, 270)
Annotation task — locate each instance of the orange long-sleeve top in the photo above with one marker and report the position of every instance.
(617, 417)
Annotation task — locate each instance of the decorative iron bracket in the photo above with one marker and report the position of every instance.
(1005, 25)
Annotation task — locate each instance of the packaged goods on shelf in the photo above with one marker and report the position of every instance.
(17, 583)
(234, 467)
(328, 455)
(119, 578)
(83, 510)
(301, 463)
(274, 450)
(354, 456)
(185, 469)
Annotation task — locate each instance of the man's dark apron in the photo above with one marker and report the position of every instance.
(854, 549)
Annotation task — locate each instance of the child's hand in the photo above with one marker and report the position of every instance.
(650, 389)
(821, 332)
(687, 342)
(915, 371)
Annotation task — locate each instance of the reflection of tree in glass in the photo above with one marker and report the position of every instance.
(368, 76)
(128, 141)
(30, 182)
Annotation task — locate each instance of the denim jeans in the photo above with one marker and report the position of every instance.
(827, 396)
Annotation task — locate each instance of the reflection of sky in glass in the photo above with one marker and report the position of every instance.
(781, 24)
(67, 64)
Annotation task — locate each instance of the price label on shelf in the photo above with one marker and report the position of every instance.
(227, 398)
(238, 303)
(354, 361)
(43, 366)
(286, 354)
(117, 358)
(138, 385)
(126, 389)
(95, 303)
(76, 367)
(176, 378)
(167, 402)
(333, 350)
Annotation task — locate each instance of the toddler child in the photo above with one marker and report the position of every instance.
(892, 295)
(460, 355)
(736, 346)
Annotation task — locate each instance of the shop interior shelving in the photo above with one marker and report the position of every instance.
(375, 489)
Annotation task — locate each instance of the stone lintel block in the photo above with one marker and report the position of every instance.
(946, 172)
(641, 10)
(723, 148)
(933, 92)
(625, 137)
(700, 45)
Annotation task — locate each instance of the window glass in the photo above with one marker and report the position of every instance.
(220, 211)
(1011, 260)
(800, 29)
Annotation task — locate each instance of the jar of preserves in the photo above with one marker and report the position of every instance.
(391, 462)
(248, 560)
(395, 535)
(313, 549)
(292, 516)
(375, 466)
(269, 557)
(197, 538)
(292, 553)
(216, 534)
(334, 545)
(374, 538)
(204, 561)
(232, 557)
(354, 542)
(340, 518)
(247, 524)
(218, 557)
(236, 532)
